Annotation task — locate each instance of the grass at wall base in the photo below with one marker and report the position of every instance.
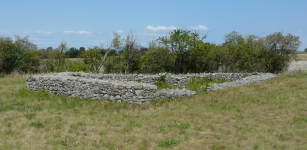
(266, 115)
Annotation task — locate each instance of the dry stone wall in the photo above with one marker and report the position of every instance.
(121, 88)
(174, 80)
(131, 92)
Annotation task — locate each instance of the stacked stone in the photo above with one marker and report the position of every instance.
(149, 79)
(125, 88)
(131, 92)
(174, 80)
(183, 79)
(172, 93)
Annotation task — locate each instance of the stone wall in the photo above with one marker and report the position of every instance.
(174, 80)
(131, 92)
(121, 88)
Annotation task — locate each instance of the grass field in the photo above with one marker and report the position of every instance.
(302, 57)
(267, 115)
(301, 52)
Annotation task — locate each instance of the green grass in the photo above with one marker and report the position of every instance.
(266, 115)
(301, 52)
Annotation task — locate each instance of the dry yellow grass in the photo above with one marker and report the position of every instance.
(268, 115)
(303, 57)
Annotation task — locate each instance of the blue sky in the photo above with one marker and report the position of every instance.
(91, 23)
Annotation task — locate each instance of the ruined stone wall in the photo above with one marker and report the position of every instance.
(121, 88)
(131, 92)
(174, 80)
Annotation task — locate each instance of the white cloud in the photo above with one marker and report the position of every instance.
(43, 32)
(67, 32)
(160, 28)
(199, 27)
(25, 32)
(78, 32)
(83, 32)
(120, 31)
(146, 34)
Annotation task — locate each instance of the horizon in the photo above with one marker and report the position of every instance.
(89, 24)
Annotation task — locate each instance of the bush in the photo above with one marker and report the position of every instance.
(78, 66)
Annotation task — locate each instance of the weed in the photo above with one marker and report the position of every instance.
(196, 82)
(162, 128)
(129, 126)
(30, 115)
(2, 75)
(300, 119)
(183, 125)
(41, 94)
(37, 124)
(161, 84)
(70, 142)
(168, 143)
(139, 80)
(76, 110)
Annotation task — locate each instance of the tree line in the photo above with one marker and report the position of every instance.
(181, 51)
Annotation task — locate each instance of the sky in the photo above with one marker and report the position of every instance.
(91, 23)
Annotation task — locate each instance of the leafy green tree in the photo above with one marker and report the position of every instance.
(130, 54)
(81, 49)
(49, 49)
(8, 54)
(157, 59)
(72, 52)
(115, 43)
(183, 43)
(282, 49)
(18, 55)
(92, 58)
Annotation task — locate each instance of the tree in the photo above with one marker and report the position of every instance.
(49, 49)
(81, 49)
(282, 50)
(72, 52)
(129, 52)
(115, 43)
(182, 43)
(19, 55)
(157, 59)
(305, 50)
(143, 50)
(233, 48)
(56, 59)
(92, 57)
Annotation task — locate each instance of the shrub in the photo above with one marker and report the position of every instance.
(78, 66)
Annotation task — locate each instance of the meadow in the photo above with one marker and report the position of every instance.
(302, 56)
(266, 115)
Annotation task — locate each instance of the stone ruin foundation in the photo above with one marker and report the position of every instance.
(121, 88)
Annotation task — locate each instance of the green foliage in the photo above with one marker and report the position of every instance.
(162, 128)
(182, 51)
(168, 143)
(182, 43)
(183, 125)
(37, 125)
(30, 115)
(78, 66)
(19, 55)
(2, 75)
(196, 82)
(161, 84)
(300, 119)
(129, 126)
(41, 94)
(92, 58)
(74, 52)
